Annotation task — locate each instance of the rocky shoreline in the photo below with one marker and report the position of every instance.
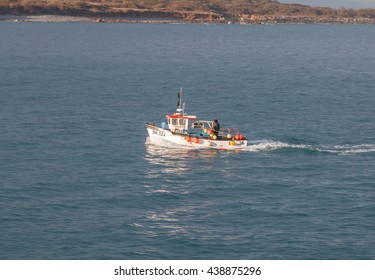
(44, 18)
(183, 19)
(175, 11)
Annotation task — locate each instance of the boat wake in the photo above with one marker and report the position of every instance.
(347, 149)
(278, 146)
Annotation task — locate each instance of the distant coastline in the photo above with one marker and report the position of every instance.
(255, 20)
(207, 12)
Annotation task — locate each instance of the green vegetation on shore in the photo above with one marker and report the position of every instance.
(243, 11)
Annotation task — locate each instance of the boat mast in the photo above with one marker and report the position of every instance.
(180, 106)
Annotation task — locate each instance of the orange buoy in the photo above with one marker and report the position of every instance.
(196, 140)
(188, 139)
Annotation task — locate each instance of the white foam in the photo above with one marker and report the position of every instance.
(271, 145)
(347, 149)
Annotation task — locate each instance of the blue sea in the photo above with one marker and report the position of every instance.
(79, 178)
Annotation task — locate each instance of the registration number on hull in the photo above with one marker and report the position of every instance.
(160, 133)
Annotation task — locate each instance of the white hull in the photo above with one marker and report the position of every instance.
(158, 134)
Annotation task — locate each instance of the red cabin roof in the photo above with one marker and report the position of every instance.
(176, 116)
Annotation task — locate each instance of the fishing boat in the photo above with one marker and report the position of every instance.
(186, 130)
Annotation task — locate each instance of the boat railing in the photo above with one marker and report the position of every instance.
(229, 131)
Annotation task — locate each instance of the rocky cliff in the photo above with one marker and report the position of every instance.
(207, 11)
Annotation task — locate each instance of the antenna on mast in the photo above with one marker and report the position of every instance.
(180, 106)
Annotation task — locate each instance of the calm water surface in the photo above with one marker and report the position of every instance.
(80, 180)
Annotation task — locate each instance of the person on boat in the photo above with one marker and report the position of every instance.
(216, 127)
